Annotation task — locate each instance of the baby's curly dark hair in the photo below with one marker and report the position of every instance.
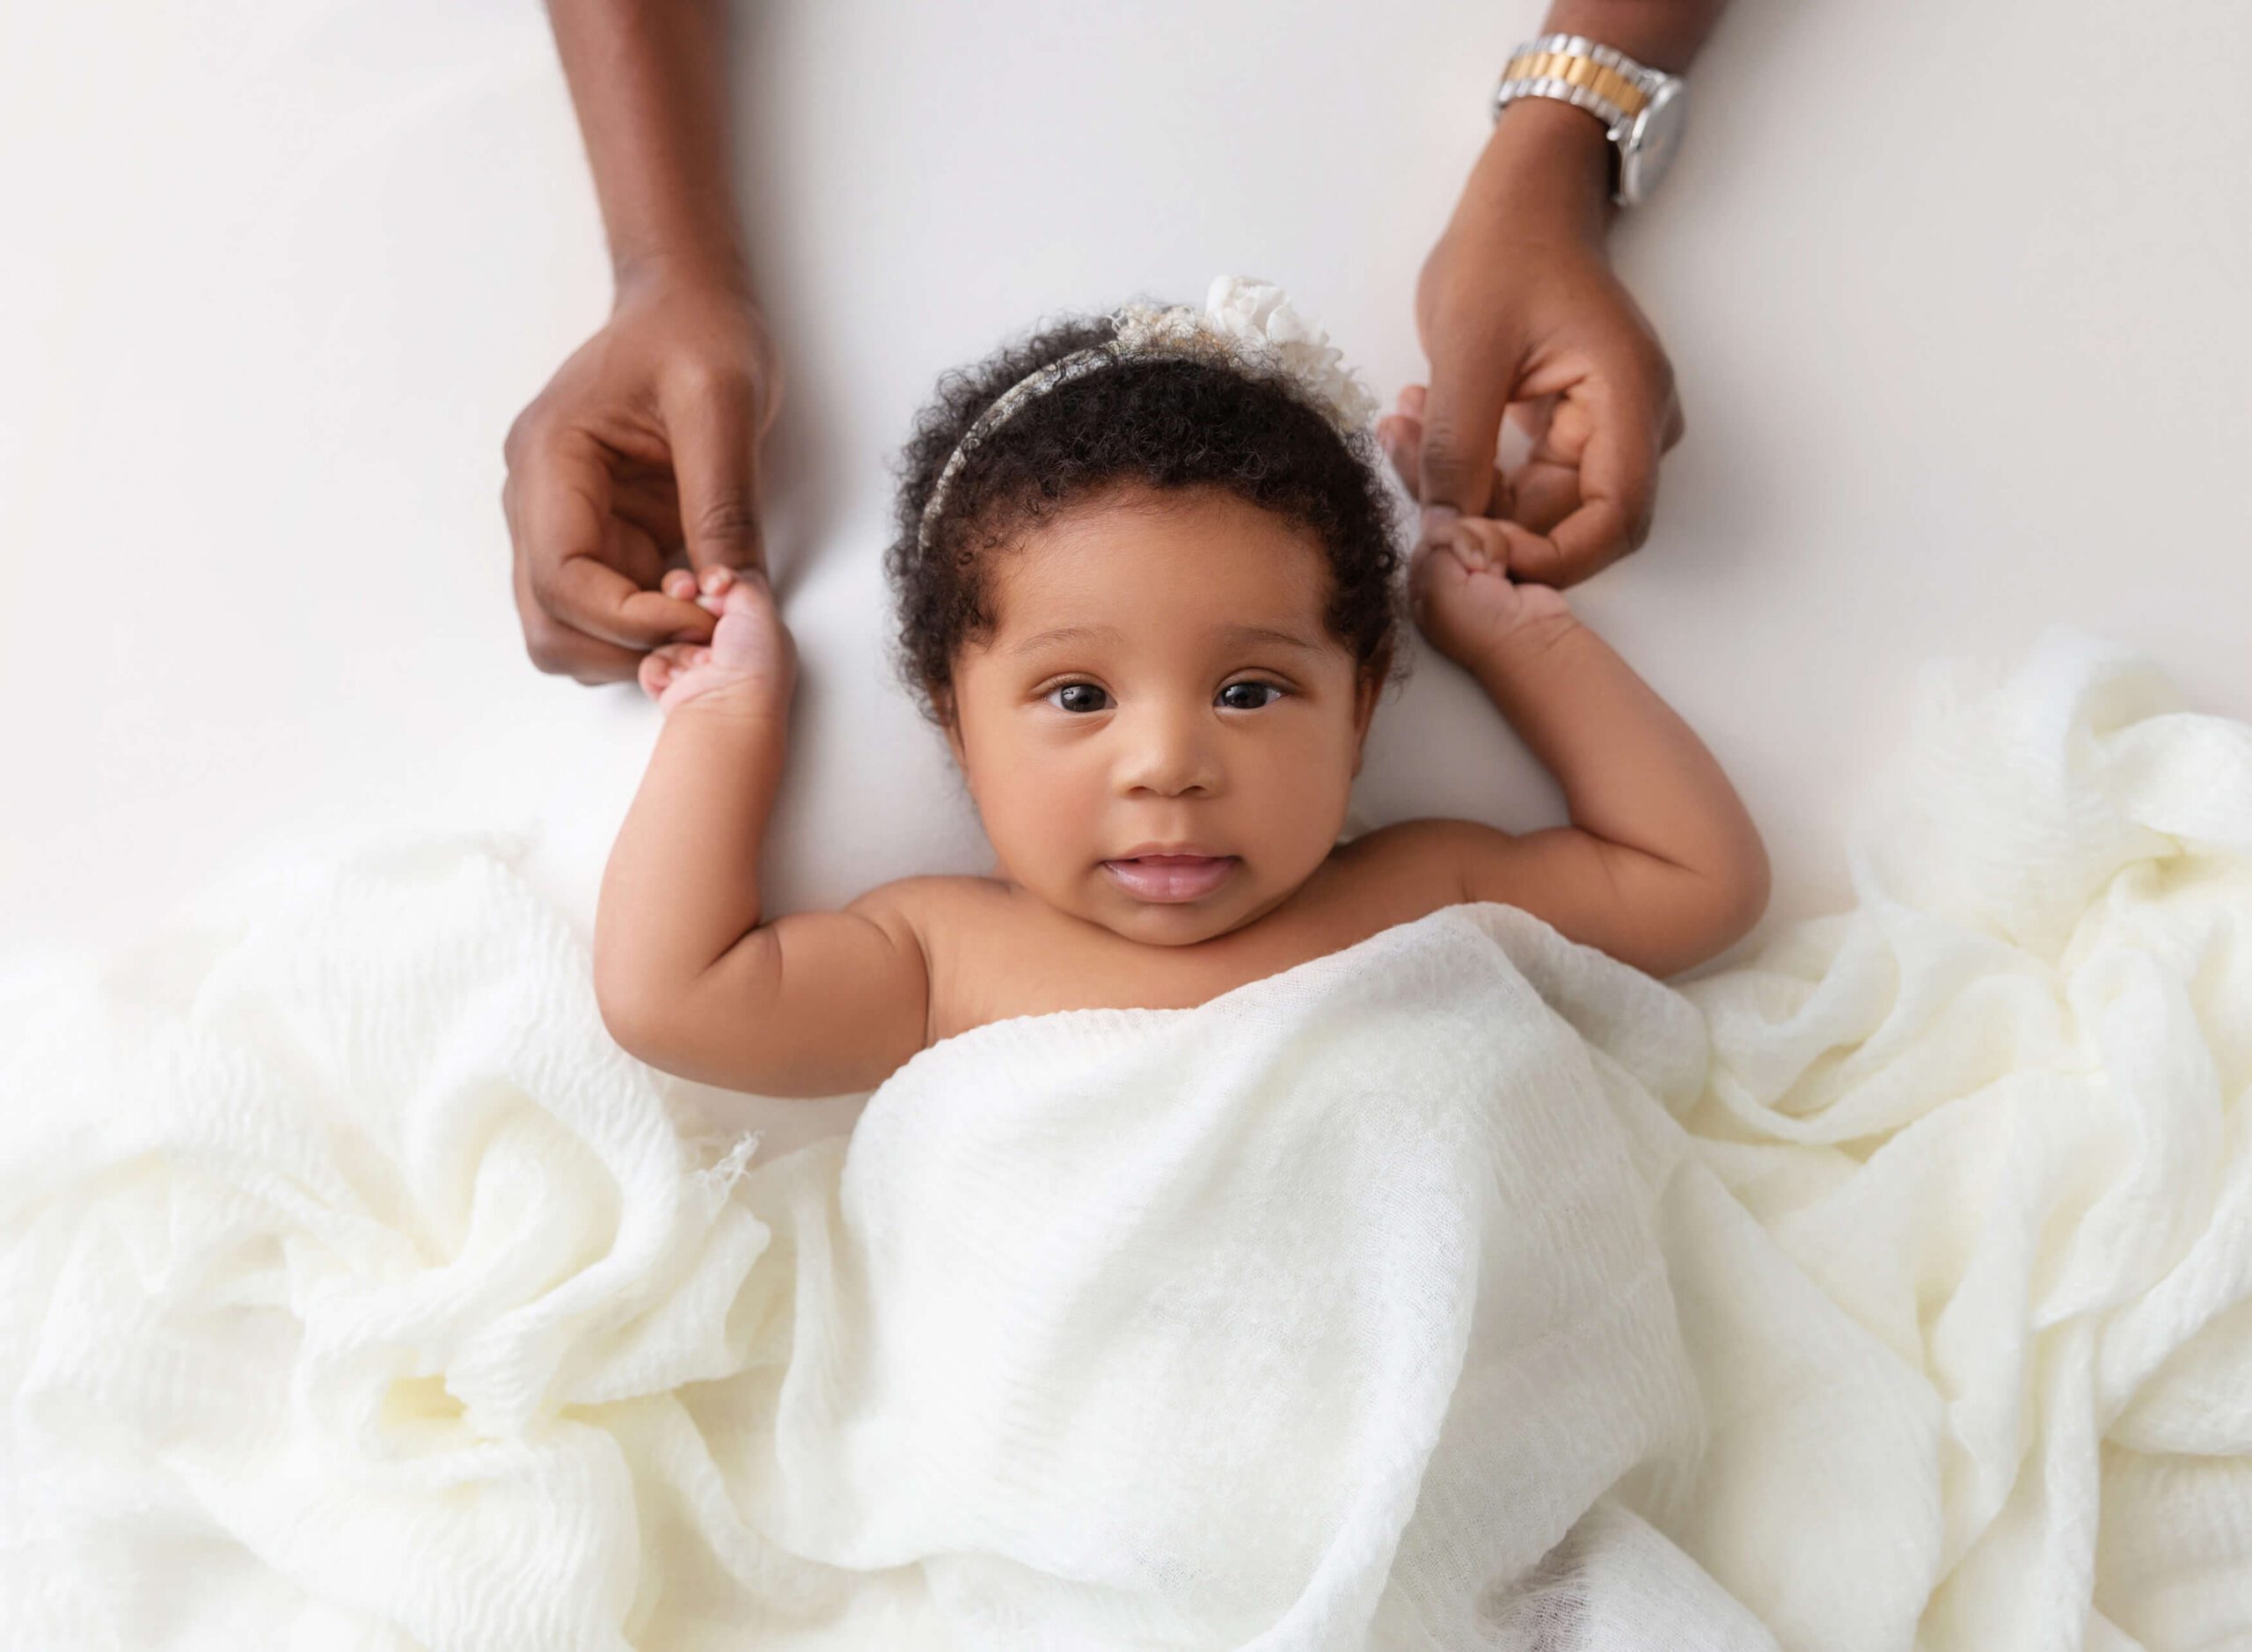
(1164, 422)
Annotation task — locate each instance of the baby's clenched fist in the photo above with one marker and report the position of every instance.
(751, 662)
(1461, 594)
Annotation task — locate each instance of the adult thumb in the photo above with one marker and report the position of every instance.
(1462, 430)
(716, 462)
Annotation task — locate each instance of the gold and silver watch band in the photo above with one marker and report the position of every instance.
(1606, 83)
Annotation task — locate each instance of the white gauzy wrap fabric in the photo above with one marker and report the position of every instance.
(1464, 1289)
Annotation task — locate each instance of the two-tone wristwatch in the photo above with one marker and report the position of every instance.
(1642, 109)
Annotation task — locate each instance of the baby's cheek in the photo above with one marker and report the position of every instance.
(1303, 804)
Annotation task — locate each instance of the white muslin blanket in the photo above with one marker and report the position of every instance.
(1462, 1288)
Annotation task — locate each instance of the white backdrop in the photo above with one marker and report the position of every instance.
(1956, 297)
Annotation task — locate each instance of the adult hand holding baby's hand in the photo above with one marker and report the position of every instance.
(640, 454)
(1464, 599)
(1522, 320)
(749, 666)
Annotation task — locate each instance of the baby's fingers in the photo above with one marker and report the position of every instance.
(709, 591)
(1434, 565)
(661, 668)
(714, 584)
(1479, 542)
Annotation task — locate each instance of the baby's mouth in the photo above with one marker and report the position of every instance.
(1171, 877)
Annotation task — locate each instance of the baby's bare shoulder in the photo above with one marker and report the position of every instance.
(961, 924)
(932, 903)
(1412, 866)
(1454, 860)
(989, 950)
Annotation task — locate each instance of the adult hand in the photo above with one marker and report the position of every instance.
(1520, 315)
(641, 455)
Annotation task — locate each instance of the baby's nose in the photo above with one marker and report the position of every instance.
(1169, 751)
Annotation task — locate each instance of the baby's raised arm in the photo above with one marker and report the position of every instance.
(1662, 865)
(688, 978)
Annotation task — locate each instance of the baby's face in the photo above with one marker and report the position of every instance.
(1161, 678)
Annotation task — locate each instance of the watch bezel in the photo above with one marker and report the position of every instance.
(1648, 145)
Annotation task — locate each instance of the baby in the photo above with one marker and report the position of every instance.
(1147, 587)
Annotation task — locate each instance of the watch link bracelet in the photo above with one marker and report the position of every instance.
(1642, 109)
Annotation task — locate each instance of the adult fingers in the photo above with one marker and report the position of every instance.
(563, 535)
(711, 428)
(1545, 487)
(1618, 483)
(633, 552)
(1471, 385)
(560, 651)
(1401, 435)
(650, 500)
(591, 596)
(1546, 493)
(553, 647)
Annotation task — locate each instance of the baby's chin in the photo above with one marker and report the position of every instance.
(1173, 928)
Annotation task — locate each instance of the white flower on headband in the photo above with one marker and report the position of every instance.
(1244, 316)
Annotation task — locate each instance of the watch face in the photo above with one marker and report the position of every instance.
(1650, 146)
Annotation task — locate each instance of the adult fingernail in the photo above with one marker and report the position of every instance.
(1438, 522)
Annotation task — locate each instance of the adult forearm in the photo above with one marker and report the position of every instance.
(682, 886)
(649, 80)
(1633, 772)
(1661, 33)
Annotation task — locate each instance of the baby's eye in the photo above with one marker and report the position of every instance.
(1077, 697)
(1250, 688)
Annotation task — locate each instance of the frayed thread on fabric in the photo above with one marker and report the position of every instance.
(721, 1176)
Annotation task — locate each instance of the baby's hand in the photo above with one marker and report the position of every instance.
(751, 663)
(1463, 598)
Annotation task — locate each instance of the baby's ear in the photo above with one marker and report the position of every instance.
(1373, 677)
(1368, 688)
(943, 707)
